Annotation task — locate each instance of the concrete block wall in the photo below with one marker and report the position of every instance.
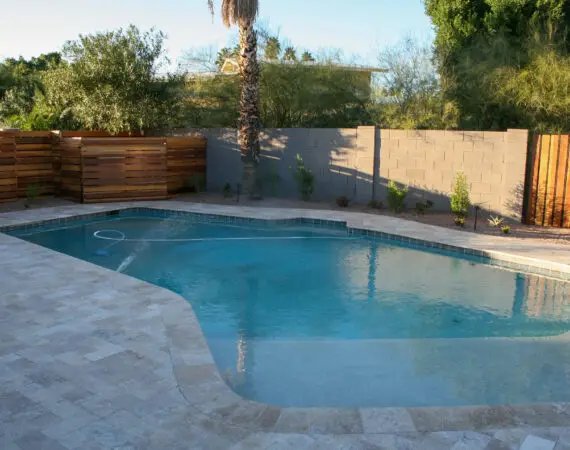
(428, 161)
(359, 163)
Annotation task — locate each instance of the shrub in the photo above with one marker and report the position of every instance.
(342, 201)
(375, 204)
(496, 221)
(506, 229)
(227, 190)
(305, 179)
(422, 207)
(459, 221)
(460, 196)
(396, 197)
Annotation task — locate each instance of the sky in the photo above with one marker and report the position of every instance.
(358, 27)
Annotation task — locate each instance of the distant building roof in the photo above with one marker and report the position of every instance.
(230, 66)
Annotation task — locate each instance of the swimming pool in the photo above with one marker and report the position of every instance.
(298, 315)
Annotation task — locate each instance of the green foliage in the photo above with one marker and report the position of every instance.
(305, 179)
(505, 63)
(22, 99)
(226, 53)
(290, 54)
(195, 183)
(409, 95)
(312, 96)
(495, 221)
(459, 221)
(396, 196)
(112, 82)
(227, 190)
(460, 196)
(32, 191)
(292, 96)
(423, 206)
(505, 229)
(375, 204)
(307, 57)
(343, 201)
(272, 49)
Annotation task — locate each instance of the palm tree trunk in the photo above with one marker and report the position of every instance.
(248, 123)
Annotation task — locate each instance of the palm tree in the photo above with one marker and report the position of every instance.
(290, 54)
(243, 14)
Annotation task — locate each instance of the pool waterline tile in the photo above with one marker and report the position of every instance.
(505, 261)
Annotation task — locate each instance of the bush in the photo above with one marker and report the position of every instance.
(422, 207)
(506, 229)
(459, 221)
(305, 179)
(460, 196)
(342, 201)
(397, 197)
(227, 190)
(495, 221)
(375, 204)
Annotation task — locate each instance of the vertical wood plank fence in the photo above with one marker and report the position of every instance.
(548, 202)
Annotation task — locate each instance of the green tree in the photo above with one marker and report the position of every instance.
(226, 53)
(112, 82)
(272, 49)
(21, 87)
(243, 14)
(290, 54)
(307, 57)
(409, 94)
(483, 50)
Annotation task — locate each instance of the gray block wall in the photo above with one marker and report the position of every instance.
(359, 162)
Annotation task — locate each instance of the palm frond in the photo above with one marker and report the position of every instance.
(236, 12)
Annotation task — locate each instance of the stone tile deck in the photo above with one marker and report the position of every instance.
(94, 359)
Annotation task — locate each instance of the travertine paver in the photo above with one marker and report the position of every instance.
(93, 359)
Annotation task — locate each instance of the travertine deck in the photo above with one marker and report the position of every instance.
(93, 359)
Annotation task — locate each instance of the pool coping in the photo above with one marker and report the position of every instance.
(201, 384)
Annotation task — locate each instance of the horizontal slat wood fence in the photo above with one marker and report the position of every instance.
(549, 181)
(8, 178)
(117, 169)
(95, 167)
(186, 163)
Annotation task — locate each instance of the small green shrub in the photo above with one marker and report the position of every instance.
(342, 201)
(422, 207)
(397, 197)
(305, 179)
(506, 229)
(495, 221)
(32, 192)
(196, 183)
(375, 204)
(460, 196)
(459, 221)
(227, 190)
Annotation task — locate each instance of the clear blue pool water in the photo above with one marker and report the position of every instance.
(302, 316)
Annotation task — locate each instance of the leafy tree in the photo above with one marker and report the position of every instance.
(409, 94)
(272, 49)
(226, 53)
(112, 82)
(290, 54)
(21, 88)
(484, 48)
(307, 57)
(243, 14)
